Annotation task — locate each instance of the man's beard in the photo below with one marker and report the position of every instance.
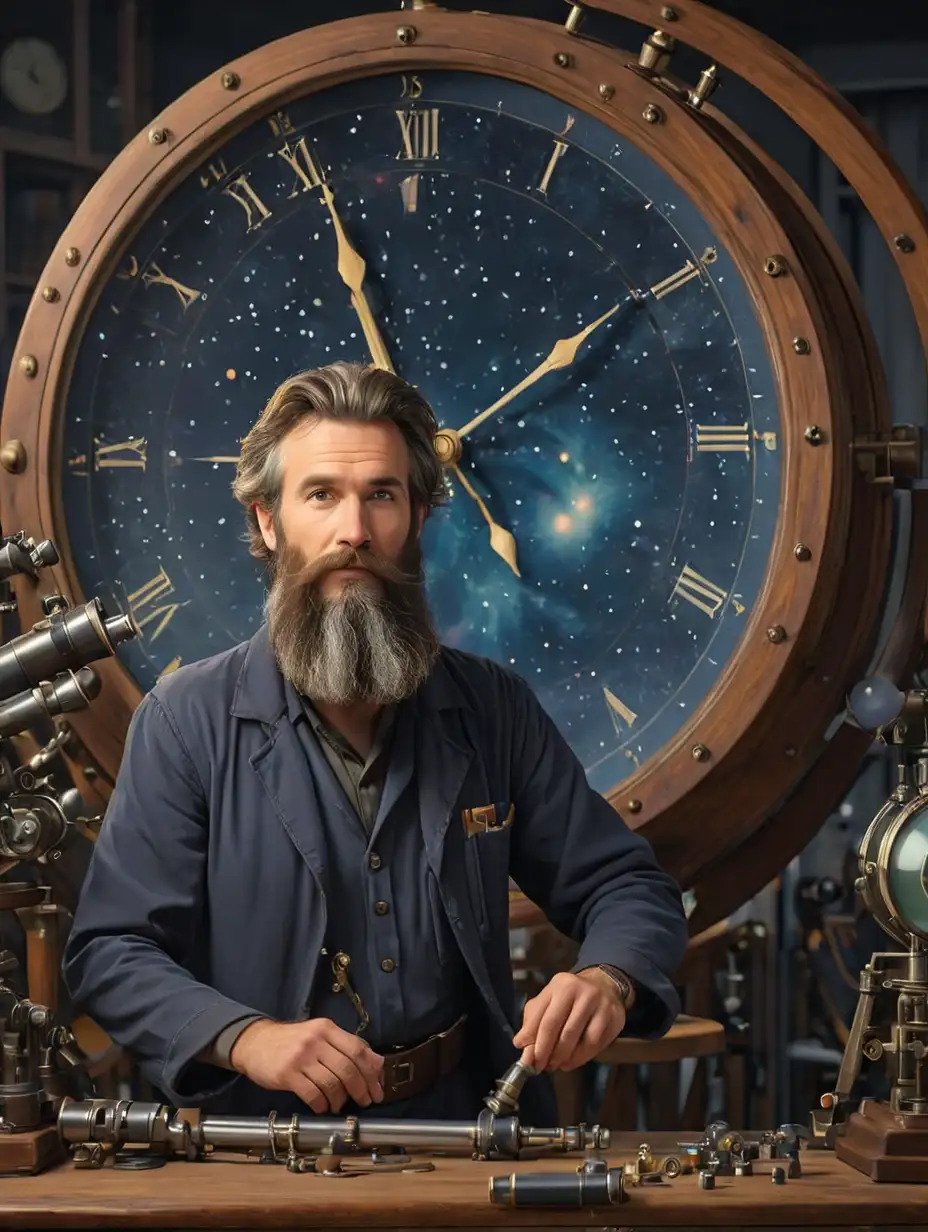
(361, 645)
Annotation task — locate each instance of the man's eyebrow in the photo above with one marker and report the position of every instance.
(328, 481)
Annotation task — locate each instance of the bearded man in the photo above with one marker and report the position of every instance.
(299, 898)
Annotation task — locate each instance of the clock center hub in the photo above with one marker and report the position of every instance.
(447, 446)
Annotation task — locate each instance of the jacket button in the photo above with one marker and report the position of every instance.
(381, 908)
(387, 964)
(374, 860)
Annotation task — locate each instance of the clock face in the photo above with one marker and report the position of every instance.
(33, 76)
(640, 481)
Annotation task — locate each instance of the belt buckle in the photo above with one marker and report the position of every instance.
(406, 1065)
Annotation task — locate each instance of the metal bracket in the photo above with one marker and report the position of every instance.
(892, 460)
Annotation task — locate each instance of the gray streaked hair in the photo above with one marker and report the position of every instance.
(338, 391)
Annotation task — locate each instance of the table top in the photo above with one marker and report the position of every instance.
(238, 1192)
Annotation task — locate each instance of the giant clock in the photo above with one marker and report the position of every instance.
(647, 359)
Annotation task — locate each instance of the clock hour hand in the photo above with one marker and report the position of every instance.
(502, 541)
(562, 354)
(351, 269)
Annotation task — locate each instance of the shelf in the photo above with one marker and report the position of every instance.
(51, 149)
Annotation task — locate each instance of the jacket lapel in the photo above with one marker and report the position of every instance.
(281, 763)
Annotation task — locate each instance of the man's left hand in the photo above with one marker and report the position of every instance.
(573, 1018)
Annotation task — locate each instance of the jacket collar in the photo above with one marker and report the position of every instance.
(261, 693)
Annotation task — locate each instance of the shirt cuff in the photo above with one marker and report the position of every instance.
(219, 1051)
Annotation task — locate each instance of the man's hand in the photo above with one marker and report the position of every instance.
(316, 1060)
(571, 1021)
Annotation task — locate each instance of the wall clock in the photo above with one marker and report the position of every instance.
(33, 76)
(655, 383)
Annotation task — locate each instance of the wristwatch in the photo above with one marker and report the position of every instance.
(621, 981)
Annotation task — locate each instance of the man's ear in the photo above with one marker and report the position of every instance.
(266, 526)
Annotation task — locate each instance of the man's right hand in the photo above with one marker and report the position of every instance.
(315, 1059)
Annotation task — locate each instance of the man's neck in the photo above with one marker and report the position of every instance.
(357, 722)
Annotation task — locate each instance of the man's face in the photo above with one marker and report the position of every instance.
(345, 485)
(347, 613)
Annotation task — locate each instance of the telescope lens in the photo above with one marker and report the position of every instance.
(907, 873)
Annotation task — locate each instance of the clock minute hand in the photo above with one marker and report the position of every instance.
(562, 354)
(351, 270)
(502, 541)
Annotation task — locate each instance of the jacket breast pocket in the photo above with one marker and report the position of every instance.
(487, 863)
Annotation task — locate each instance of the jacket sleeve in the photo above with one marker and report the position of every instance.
(597, 881)
(140, 910)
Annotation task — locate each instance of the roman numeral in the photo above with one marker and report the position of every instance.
(419, 131)
(301, 161)
(121, 455)
(619, 713)
(692, 269)
(723, 438)
(560, 148)
(145, 606)
(699, 591)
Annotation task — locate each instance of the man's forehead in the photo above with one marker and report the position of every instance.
(347, 444)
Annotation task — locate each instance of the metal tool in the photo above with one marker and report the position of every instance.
(591, 1185)
(340, 964)
(302, 1143)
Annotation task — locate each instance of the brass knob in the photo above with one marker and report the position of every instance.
(13, 457)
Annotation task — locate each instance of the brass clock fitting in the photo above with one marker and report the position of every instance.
(406, 35)
(700, 753)
(72, 257)
(574, 17)
(656, 51)
(13, 457)
(668, 14)
(230, 81)
(652, 114)
(157, 136)
(776, 634)
(28, 365)
(51, 294)
(707, 85)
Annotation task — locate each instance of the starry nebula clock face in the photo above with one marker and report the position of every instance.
(564, 307)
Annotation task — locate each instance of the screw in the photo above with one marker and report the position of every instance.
(775, 266)
(230, 81)
(700, 753)
(406, 35)
(776, 634)
(652, 114)
(606, 92)
(802, 552)
(29, 365)
(563, 59)
(90, 774)
(904, 243)
(72, 256)
(668, 14)
(157, 136)
(634, 806)
(814, 434)
(802, 346)
(51, 294)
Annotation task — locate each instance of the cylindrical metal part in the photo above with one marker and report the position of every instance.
(706, 1179)
(778, 1176)
(64, 641)
(558, 1188)
(73, 691)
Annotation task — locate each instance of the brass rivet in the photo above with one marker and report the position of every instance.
(13, 457)
(157, 136)
(230, 81)
(802, 346)
(775, 266)
(904, 243)
(406, 35)
(90, 774)
(72, 256)
(776, 634)
(50, 294)
(563, 59)
(814, 434)
(606, 92)
(802, 552)
(29, 365)
(652, 114)
(634, 806)
(700, 753)
(668, 14)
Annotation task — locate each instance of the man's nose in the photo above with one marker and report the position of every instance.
(353, 530)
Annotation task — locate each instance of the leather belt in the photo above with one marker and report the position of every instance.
(411, 1071)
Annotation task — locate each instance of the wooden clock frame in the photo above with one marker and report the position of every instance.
(747, 781)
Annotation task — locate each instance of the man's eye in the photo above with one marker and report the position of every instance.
(383, 494)
(320, 494)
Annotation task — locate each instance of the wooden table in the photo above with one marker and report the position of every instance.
(241, 1193)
